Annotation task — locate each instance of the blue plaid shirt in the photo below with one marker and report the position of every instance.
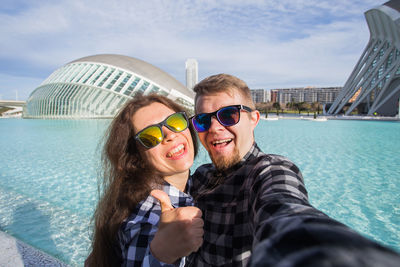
(138, 230)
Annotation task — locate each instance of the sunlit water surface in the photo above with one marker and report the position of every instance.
(48, 170)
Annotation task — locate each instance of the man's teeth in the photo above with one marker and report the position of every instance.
(178, 149)
(221, 141)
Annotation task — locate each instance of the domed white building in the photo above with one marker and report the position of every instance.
(97, 86)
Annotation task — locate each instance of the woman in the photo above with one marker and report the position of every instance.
(149, 145)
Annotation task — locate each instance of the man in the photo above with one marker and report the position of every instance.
(255, 206)
(243, 187)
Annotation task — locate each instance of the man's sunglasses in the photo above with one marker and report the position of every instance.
(227, 116)
(153, 135)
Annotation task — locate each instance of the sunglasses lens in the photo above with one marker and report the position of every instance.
(228, 116)
(151, 136)
(177, 122)
(202, 122)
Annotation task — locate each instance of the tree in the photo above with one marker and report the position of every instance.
(264, 107)
(295, 106)
(316, 106)
(307, 107)
(302, 106)
(277, 106)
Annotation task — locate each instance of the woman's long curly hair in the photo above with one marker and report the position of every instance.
(125, 181)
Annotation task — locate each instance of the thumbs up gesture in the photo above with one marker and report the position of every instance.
(180, 230)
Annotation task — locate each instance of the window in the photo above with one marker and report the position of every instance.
(143, 87)
(94, 69)
(132, 86)
(154, 89)
(114, 80)
(122, 84)
(106, 78)
(98, 75)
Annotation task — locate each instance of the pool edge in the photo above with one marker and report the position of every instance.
(16, 253)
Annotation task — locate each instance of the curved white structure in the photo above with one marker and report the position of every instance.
(97, 86)
(374, 85)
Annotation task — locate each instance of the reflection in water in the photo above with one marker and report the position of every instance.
(35, 225)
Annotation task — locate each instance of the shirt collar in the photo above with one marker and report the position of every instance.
(252, 153)
(178, 198)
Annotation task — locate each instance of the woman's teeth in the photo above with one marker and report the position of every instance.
(177, 150)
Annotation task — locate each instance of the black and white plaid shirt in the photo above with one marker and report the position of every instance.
(257, 213)
(137, 231)
(232, 202)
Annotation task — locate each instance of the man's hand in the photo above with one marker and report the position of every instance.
(180, 231)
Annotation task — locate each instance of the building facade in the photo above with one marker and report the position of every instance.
(260, 95)
(373, 87)
(192, 73)
(323, 95)
(98, 86)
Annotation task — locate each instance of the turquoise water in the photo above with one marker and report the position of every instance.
(48, 175)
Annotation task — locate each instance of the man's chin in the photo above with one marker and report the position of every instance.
(223, 162)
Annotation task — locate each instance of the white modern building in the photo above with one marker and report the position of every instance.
(98, 86)
(192, 75)
(374, 85)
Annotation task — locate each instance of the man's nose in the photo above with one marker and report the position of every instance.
(215, 124)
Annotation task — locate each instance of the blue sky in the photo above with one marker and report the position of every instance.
(268, 44)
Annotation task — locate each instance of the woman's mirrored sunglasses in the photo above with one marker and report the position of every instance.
(153, 135)
(227, 116)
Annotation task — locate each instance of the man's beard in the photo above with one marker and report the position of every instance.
(223, 163)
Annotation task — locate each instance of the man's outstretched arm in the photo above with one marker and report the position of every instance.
(290, 232)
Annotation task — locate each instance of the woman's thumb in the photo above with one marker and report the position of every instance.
(165, 202)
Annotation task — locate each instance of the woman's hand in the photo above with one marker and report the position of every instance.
(180, 231)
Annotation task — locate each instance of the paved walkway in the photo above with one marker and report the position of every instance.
(15, 253)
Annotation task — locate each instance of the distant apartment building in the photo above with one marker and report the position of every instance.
(192, 76)
(260, 95)
(322, 95)
(274, 95)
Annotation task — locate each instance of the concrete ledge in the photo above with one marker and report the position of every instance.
(364, 118)
(15, 253)
(329, 117)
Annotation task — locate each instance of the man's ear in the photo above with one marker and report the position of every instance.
(255, 118)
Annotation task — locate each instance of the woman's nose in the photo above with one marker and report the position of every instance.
(169, 135)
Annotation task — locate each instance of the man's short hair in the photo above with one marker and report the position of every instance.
(223, 83)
